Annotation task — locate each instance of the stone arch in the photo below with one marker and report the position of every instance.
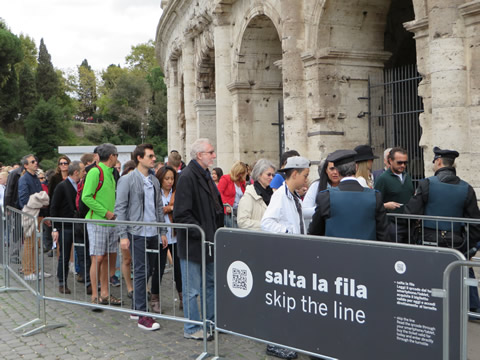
(257, 89)
(323, 10)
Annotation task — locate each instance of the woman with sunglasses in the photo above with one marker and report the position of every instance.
(257, 196)
(61, 173)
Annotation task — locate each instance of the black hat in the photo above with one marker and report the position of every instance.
(364, 153)
(296, 162)
(439, 153)
(341, 157)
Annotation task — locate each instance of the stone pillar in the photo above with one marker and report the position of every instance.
(223, 69)
(205, 110)
(174, 133)
(467, 164)
(294, 101)
(191, 133)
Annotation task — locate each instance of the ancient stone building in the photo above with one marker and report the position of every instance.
(261, 76)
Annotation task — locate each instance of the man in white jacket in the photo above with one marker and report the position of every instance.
(284, 213)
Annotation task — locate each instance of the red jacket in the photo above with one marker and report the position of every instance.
(226, 187)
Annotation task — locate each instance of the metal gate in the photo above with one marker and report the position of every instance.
(394, 109)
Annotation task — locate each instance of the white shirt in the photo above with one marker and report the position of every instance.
(281, 215)
(309, 201)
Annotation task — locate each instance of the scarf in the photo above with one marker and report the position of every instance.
(266, 194)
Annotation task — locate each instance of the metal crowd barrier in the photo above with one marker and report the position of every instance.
(20, 224)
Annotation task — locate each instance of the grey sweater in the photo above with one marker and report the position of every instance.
(130, 202)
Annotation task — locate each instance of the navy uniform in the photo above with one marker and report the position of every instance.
(349, 210)
(445, 194)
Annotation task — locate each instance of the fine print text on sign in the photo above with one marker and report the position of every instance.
(337, 298)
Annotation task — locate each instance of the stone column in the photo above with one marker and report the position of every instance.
(223, 69)
(191, 133)
(174, 136)
(205, 110)
(294, 101)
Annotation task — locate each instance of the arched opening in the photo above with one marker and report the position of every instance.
(395, 104)
(257, 92)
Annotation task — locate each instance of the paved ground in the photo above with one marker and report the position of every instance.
(112, 335)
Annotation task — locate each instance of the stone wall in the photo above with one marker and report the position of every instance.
(230, 65)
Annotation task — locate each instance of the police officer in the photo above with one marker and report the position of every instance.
(445, 194)
(349, 210)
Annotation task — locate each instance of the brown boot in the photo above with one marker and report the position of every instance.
(180, 298)
(155, 303)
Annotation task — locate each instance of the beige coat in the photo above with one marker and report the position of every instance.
(250, 209)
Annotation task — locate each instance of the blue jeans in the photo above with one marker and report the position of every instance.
(192, 287)
(140, 271)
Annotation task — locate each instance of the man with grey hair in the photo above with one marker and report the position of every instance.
(349, 210)
(197, 201)
(99, 196)
(63, 205)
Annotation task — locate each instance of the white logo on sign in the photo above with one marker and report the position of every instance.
(400, 267)
(239, 279)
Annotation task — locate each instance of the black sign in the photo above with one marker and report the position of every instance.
(337, 298)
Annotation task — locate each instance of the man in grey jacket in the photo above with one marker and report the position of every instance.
(139, 199)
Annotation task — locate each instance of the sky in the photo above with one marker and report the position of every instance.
(102, 32)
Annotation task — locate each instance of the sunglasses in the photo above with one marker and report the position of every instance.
(63, 163)
(151, 156)
(41, 178)
(33, 161)
(402, 162)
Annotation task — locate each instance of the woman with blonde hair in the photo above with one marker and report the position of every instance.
(364, 160)
(232, 188)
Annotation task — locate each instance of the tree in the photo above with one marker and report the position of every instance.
(12, 148)
(9, 99)
(142, 57)
(129, 103)
(46, 77)
(86, 90)
(45, 128)
(10, 53)
(27, 90)
(30, 53)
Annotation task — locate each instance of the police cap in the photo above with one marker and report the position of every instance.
(341, 157)
(439, 153)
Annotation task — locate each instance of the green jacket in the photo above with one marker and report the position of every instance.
(105, 199)
(393, 189)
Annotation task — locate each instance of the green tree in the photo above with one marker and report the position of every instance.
(27, 90)
(30, 53)
(46, 77)
(142, 57)
(10, 53)
(9, 99)
(45, 128)
(12, 148)
(129, 103)
(86, 90)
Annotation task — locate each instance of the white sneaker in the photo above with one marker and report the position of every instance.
(71, 267)
(45, 275)
(30, 277)
(197, 335)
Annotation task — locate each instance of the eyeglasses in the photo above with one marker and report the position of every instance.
(33, 161)
(208, 152)
(402, 162)
(152, 156)
(270, 174)
(63, 163)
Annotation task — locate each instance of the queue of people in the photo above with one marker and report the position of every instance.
(349, 200)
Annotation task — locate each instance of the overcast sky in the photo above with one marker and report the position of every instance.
(100, 31)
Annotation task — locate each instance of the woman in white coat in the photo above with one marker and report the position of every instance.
(257, 196)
